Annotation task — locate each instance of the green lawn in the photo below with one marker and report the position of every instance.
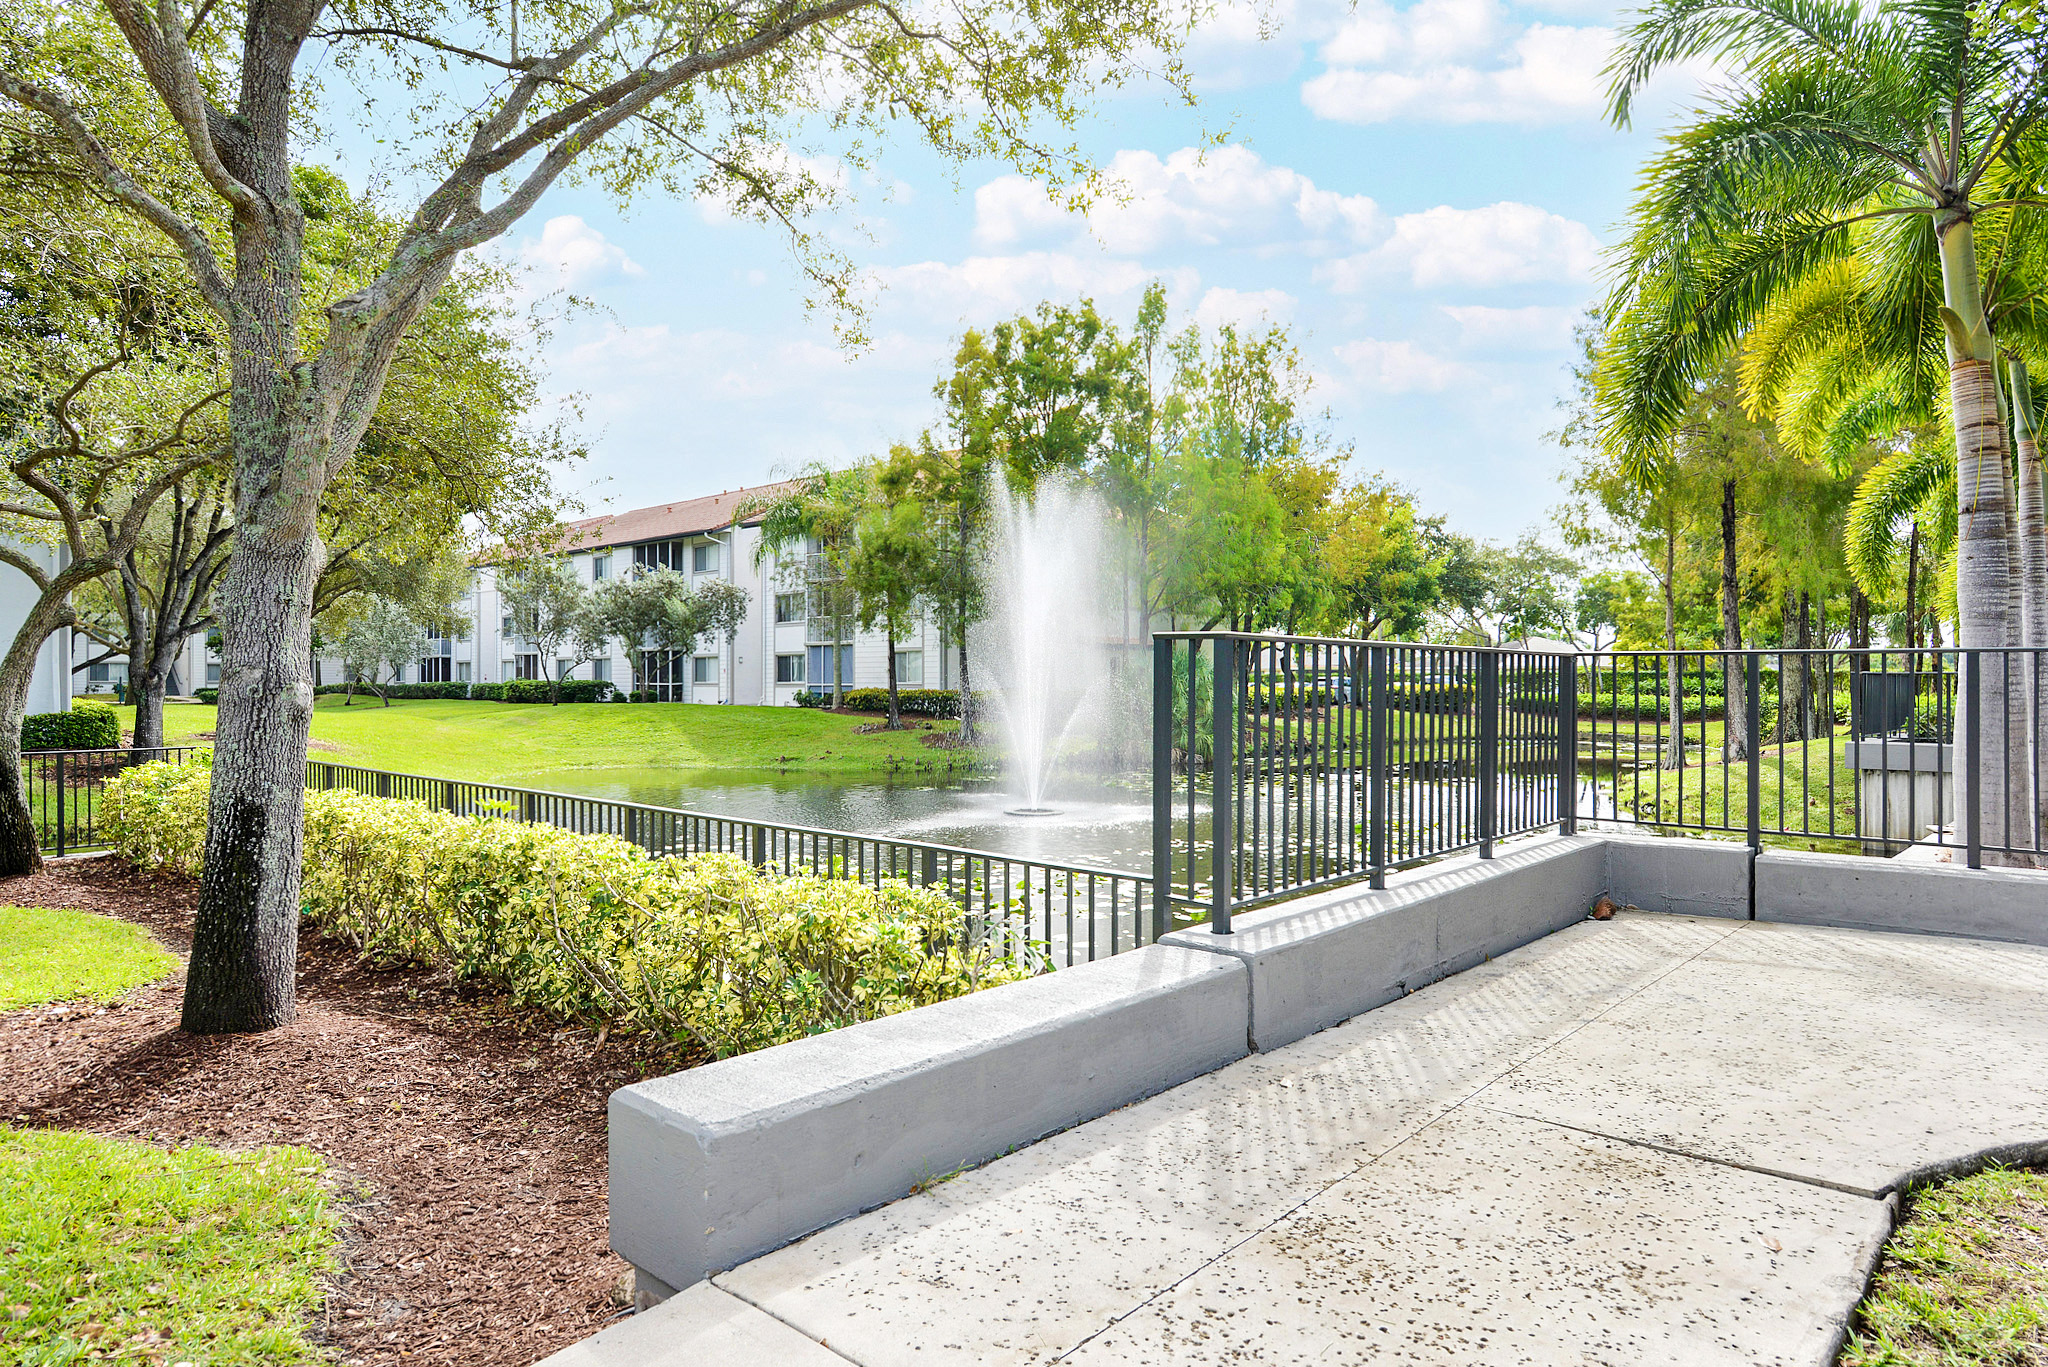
(1964, 1279)
(48, 955)
(113, 1251)
(486, 740)
(1800, 787)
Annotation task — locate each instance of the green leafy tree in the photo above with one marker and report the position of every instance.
(817, 515)
(709, 98)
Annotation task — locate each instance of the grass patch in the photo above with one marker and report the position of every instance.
(493, 741)
(1806, 793)
(48, 955)
(123, 1252)
(1964, 1279)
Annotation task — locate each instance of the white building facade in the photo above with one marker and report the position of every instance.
(780, 650)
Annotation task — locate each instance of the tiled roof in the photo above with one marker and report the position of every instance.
(711, 513)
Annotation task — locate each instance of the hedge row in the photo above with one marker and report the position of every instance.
(87, 726)
(514, 690)
(912, 702)
(588, 927)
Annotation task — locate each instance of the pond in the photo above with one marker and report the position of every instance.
(1100, 822)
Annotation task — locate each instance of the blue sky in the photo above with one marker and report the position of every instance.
(1421, 192)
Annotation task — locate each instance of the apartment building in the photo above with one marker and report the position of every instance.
(779, 651)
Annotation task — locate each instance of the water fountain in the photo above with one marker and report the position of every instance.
(1048, 619)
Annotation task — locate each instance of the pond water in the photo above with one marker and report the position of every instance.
(1096, 821)
(1101, 822)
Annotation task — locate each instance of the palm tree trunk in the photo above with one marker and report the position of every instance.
(1983, 568)
(1913, 599)
(1674, 675)
(1735, 713)
(2032, 582)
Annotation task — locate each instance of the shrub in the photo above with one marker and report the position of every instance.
(912, 702)
(456, 691)
(588, 927)
(211, 696)
(1429, 697)
(487, 692)
(87, 726)
(573, 690)
(803, 699)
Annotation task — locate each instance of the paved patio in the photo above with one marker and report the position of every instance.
(1658, 1139)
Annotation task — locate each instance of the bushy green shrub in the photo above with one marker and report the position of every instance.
(211, 696)
(487, 692)
(1429, 697)
(456, 691)
(588, 927)
(912, 702)
(87, 726)
(573, 690)
(803, 699)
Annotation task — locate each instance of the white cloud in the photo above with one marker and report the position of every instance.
(1458, 61)
(982, 288)
(1398, 367)
(1243, 307)
(1225, 196)
(570, 253)
(1501, 244)
(1536, 328)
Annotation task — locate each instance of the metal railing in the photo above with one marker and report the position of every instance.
(1282, 764)
(1867, 751)
(1325, 761)
(1068, 913)
(64, 789)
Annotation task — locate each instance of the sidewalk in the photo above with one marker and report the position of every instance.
(1652, 1140)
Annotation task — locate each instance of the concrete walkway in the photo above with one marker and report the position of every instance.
(1652, 1140)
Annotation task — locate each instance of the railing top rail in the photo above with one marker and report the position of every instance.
(827, 832)
(1281, 638)
(111, 750)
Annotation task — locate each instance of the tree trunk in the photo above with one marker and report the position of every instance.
(245, 939)
(1913, 599)
(1674, 672)
(966, 697)
(895, 716)
(1983, 565)
(147, 688)
(2031, 545)
(1735, 711)
(1788, 633)
(1803, 719)
(1859, 619)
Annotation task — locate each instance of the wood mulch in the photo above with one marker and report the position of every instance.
(467, 1138)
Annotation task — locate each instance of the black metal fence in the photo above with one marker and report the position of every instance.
(1870, 751)
(1068, 913)
(1286, 763)
(1283, 764)
(64, 789)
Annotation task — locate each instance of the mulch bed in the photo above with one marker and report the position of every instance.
(468, 1138)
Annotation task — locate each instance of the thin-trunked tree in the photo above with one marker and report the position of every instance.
(671, 93)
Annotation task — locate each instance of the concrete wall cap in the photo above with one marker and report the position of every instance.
(746, 1091)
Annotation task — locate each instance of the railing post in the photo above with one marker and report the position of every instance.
(1752, 727)
(757, 839)
(383, 784)
(1973, 755)
(1568, 744)
(529, 805)
(1376, 771)
(1162, 782)
(61, 794)
(928, 869)
(1222, 815)
(1489, 760)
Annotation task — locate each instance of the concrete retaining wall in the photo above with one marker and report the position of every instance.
(1322, 959)
(1685, 876)
(1889, 894)
(712, 1166)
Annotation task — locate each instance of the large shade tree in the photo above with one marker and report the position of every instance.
(1835, 115)
(711, 98)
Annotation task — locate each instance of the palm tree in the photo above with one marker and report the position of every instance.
(1836, 117)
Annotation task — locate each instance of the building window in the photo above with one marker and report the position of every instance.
(435, 669)
(789, 669)
(462, 672)
(212, 673)
(505, 629)
(660, 555)
(818, 671)
(704, 669)
(564, 668)
(528, 666)
(704, 557)
(601, 670)
(600, 567)
(663, 672)
(789, 607)
(910, 668)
